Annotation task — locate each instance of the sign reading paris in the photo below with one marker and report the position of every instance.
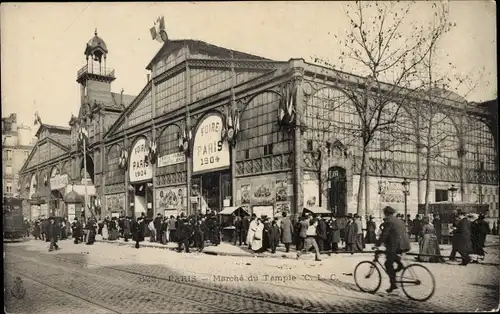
(210, 151)
(140, 168)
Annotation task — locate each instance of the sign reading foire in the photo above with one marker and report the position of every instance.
(140, 168)
(210, 152)
(58, 182)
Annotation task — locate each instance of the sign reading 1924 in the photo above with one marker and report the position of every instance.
(210, 151)
(140, 167)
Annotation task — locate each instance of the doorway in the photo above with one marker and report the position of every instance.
(143, 200)
(337, 194)
(212, 188)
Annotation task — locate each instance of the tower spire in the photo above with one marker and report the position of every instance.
(95, 32)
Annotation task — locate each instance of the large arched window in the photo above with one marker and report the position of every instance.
(168, 143)
(443, 142)
(114, 174)
(331, 116)
(259, 133)
(479, 146)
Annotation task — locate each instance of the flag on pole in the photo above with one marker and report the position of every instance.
(158, 31)
(152, 152)
(37, 119)
(83, 137)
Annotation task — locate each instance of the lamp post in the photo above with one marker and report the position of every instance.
(453, 192)
(406, 192)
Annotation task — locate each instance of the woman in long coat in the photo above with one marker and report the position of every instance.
(428, 244)
(286, 232)
(138, 231)
(371, 226)
(257, 236)
(36, 230)
(479, 230)
(105, 230)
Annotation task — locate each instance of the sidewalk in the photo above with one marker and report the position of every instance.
(227, 249)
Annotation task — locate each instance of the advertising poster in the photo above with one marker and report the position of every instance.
(263, 192)
(283, 207)
(171, 198)
(311, 193)
(245, 194)
(281, 191)
(115, 202)
(263, 211)
(171, 159)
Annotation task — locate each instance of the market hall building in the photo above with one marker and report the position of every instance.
(215, 128)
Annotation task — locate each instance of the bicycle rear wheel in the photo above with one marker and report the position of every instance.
(363, 272)
(417, 282)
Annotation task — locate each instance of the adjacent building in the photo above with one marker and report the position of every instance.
(17, 143)
(214, 128)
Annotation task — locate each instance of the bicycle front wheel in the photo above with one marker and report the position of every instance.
(417, 282)
(367, 277)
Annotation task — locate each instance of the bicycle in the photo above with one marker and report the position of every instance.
(407, 279)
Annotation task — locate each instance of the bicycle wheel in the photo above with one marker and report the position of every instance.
(417, 278)
(363, 272)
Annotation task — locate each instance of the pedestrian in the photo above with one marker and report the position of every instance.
(245, 224)
(479, 229)
(77, 230)
(266, 244)
(53, 232)
(251, 230)
(310, 239)
(92, 231)
(416, 228)
(257, 233)
(371, 226)
(436, 222)
(138, 230)
(238, 225)
(46, 225)
(158, 230)
(286, 231)
(200, 230)
(350, 234)
(304, 225)
(321, 234)
(172, 223)
(428, 244)
(462, 239)
(274, 235)
(359, 233)
(105, 230)
(113, 229)
(334, 238)
(126, 229)
(37, 230)
(184, 232)
(152, 231)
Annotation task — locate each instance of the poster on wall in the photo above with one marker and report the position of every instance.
(209, 150)
(282, 207)
(44, 210)
(35, 212)
(71, 209)
(281, 190)
(171, 159)
(245, 194)
(263, 192)
(171, 198)
(117, 215)
(115, 202)
(311, 193)
(390, 192)
(140, 169)
(263, 211)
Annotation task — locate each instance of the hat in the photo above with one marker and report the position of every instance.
(388, 210)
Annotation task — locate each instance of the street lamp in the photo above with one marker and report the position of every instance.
(453, 192)
(406, 192)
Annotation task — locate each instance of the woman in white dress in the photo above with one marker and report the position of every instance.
(105, 231)
(258, 233)
(251, 231)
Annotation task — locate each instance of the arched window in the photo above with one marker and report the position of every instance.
(114, 174)
(443, 142)
(259, 133)
(168, 143)
(479, 146)
(331, 116)
(54, 172)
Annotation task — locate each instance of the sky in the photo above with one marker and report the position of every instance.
(42, 44)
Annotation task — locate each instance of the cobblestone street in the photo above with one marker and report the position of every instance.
(106, 278)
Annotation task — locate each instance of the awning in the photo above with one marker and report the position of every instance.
(73, 197)
(231, 209)
(317, 210)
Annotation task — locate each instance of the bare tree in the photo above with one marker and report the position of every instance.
(385, 45)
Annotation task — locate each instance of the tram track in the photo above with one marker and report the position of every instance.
(63, 291)
(172, 291)
(152, 279)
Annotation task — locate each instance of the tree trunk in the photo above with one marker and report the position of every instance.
(419, 194)
(428, 167)
(359, 208)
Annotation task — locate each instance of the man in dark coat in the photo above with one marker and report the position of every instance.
(172, 227)
(286, 231)
(274, 235)
(126, 225)
(416, 227)
(199, 233)
(76, 227)
(351, 229)
(304, 225)
(482, 229)
(46, 225)
(462, 239)
(157, 223)
(184, 232)
(245, 224)
(138, 230)
(238, 225)
(396, 241)
(321, 234)
(437, 226)
(53, 232)
(334, 234)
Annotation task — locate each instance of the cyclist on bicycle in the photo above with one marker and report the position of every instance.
(396, 241)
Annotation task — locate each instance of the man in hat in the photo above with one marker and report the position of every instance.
(310, 239)
(461, 242)
(396, 241)
(53, 232)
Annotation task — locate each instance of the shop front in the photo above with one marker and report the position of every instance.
(211, 178)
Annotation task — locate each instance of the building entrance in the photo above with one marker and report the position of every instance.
(212, 189)
(142, 197)
(337, 194)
